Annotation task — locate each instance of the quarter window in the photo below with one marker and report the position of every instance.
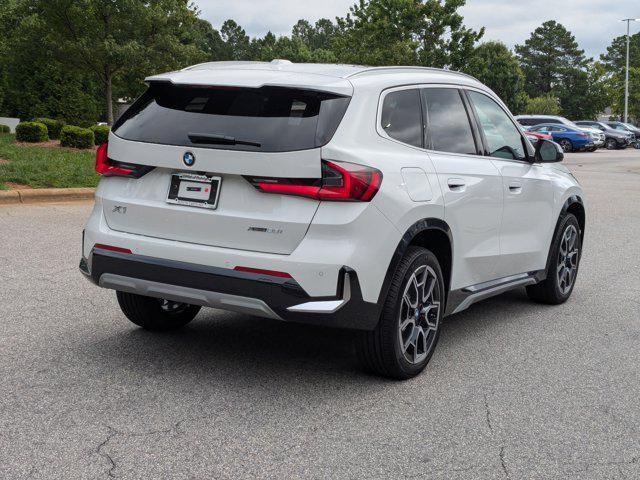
(447, 121)
(402, 116)
(502, 136)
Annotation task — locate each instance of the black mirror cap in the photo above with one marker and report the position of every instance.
(548, 152)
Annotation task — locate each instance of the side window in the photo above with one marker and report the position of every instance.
(503, 137)
(448, 122)
(402, 116)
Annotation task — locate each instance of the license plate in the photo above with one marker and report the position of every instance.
(199, 191)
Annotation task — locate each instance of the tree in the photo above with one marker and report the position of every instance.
(544, 105)
(110, 38)
(494, 65)
(614, 65)
(237, 42)
(35, 82)
(548, 57)
(409, 32)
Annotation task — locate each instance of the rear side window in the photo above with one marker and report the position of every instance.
(448, 122)
(402, 116)
(268, 119)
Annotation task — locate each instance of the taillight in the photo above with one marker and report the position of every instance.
(110, 168)
(583, 134)
(341, 181)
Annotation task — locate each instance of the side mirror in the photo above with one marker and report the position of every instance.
(548, 152)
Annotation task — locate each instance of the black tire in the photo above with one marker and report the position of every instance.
(566, 145)
(611, 144)
(552, 291)
(150, 314)
(380, 350)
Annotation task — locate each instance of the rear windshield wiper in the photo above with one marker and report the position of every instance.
(214, 139)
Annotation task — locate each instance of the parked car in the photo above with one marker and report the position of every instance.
(532, 120)
(569, 138)
(626, 127)
(320, 194)
(613, 138)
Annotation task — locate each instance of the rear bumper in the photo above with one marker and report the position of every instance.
(245, 292)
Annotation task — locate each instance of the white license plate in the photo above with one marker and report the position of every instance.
(199, 191)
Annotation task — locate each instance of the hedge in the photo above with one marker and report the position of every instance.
(5, 129)
(53, 127)
(76, 137)
(101, 133)
(31, 132)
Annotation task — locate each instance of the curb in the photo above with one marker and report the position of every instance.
(45, 195)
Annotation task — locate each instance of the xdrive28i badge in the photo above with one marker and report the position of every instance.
(189, 159)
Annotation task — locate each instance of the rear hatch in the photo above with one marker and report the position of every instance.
(222, 135)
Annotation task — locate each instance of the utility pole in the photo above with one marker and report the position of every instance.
(626, 80)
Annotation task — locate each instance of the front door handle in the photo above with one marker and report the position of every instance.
(456, 184)
(515, 187)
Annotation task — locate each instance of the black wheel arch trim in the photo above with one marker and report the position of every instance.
(414, 230)
(572, 200)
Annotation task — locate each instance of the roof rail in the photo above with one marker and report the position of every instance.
(411, 67)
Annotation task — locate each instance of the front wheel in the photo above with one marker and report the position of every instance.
(154, 313)
(407, 333)
(564, 259)
(611, 144)
(566, 145)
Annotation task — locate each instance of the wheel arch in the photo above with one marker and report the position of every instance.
(575, 206)
(433, 234)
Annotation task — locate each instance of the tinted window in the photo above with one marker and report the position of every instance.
(525, 122)
(269, 119)
(502, 136)
(402, 116)
(447, 121)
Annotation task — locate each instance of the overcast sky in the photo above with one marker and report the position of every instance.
(593, 22)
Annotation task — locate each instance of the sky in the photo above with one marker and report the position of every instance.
(593, 22)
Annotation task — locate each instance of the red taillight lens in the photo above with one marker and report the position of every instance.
(110, 168)
(583, 134)
(341, 181)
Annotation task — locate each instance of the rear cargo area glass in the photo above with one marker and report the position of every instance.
(267, 119)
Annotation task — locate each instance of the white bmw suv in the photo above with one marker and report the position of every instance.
(374, 199)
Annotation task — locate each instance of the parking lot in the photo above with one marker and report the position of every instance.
(515, 390)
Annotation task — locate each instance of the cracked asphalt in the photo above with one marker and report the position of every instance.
(515, 390)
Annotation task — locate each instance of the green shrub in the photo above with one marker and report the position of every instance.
(53, 126)
(4, 129)
(31, 132)
(76, 137)
(101, 133)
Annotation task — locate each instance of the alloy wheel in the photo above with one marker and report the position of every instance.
(419, 315)
(568, 255)
(566, 145)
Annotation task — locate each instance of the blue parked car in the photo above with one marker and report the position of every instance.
(570, 139)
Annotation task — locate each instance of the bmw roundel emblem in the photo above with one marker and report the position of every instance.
(189, 159)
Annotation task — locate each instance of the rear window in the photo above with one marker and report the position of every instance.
(268, 119)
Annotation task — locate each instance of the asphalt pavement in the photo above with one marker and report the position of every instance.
(515, 390)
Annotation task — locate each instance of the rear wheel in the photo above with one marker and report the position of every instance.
(566, 145)
(154, 313)
(403, 341)
(611, 144)
(563, 264)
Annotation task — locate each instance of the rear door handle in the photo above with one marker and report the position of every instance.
(456, 184)
(515, 187)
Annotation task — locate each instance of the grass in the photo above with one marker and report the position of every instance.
(45, 167)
